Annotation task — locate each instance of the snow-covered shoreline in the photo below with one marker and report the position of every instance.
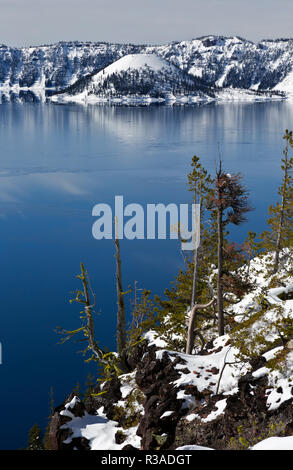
(228, 96)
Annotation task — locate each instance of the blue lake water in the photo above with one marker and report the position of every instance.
(56, 162)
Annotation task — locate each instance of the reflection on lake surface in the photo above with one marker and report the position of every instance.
(56, 162)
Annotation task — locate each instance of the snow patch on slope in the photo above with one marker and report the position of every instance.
(135, 61)
(100, 432)
(275, 443)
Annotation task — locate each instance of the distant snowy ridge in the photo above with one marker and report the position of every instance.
(58, 65)
(219, 61)
(234, 62)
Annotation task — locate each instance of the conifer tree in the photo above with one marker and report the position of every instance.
(35, 439)
(121, 329)
(90, 386)
(281, 214)
(143, 315)
(251, 248)
(199, 182)
(172, 309)
(77, 390)
(230, 201)
(51, 412)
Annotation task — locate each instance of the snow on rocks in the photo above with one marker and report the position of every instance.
(220, 405)
(166, 414)
(99, 431)
(193, 447)
(214, 414)
(68, 406)
(191, 417)
(153, 339)
(215, 372)
(127, 384)
(88, 426)
(180, 400)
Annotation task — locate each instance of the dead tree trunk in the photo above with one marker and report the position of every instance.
(221, 327)
(282, 214)
(194, 283)
(192, 317)
(121, 335)
(98, 353)
(196, 256)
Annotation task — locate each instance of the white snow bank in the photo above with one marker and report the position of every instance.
(166, 414)
(275, 443)
(191, 417)
(193, 447)
(153, 339)
(100, 432)
(220, 405)
(204, 371)
(69, 406)
(127, 384)
(282, 390)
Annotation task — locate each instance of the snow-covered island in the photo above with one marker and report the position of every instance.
(148, 78)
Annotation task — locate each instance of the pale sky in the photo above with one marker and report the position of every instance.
(34, 22)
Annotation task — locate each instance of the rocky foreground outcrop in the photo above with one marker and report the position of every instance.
(170, 400)
(245, 421)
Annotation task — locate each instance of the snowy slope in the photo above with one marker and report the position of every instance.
(275, 443)
(136, 61)
(99, 430)
(272, 443)
(205, 371)
(56, 66)
(233, 62)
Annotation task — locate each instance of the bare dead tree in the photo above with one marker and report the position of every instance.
(88, 311)
(121, 331)
(87, 328)
(192, 316)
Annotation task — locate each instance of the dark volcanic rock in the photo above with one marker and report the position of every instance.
(57, 435)
(153, 377)
(246, 417)
(258, 362)
(133, 355)
(129, 447)
(120, 437)
(244, 421)
(112, 395)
